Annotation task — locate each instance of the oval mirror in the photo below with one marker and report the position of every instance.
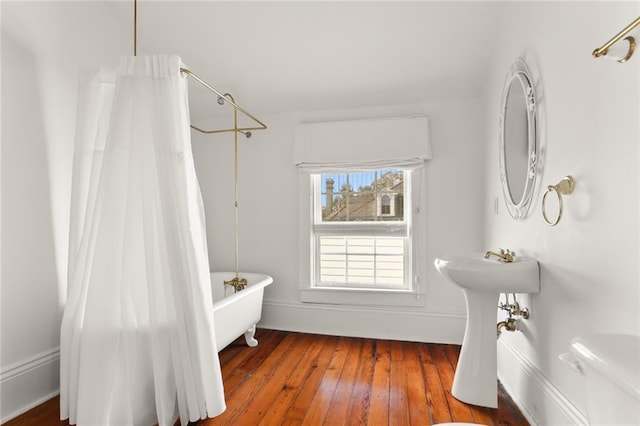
(518, 140)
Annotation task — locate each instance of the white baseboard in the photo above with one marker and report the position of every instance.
(28, 383)
(369, 322)
(538, 398)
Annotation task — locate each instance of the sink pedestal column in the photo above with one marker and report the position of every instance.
(475, 381)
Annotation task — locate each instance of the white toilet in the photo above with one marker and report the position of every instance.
(610, 365)
(458, 424)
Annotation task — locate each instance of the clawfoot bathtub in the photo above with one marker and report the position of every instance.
(237, 313)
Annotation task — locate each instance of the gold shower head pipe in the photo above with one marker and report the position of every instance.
(261, 125)
(601, 51)
(135, 27)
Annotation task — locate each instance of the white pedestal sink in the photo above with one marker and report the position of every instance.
(482, 280)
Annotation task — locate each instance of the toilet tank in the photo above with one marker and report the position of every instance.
(610, 364)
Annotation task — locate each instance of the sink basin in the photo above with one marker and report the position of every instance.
(489, 275)
(482, 280)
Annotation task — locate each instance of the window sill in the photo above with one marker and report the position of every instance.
(362, 297)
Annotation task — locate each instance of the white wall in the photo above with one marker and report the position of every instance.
(45, 47)
(590, 130)
(589, 262)
(42, 58)
(268, 219)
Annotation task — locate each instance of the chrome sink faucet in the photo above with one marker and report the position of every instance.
(506, 256)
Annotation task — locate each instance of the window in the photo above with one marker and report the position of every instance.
(360, 231)
(359, 241)
(385, 205)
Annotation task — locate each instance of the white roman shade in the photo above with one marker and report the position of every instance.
(401, 142)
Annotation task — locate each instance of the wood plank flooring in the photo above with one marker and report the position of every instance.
(305, 379)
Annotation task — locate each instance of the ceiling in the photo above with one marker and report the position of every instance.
(297, 56)
(281, 56)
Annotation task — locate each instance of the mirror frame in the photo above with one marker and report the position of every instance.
(519, 71)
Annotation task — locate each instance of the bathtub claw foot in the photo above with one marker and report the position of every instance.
(249, 337)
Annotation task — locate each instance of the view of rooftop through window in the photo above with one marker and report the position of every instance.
(376, 195)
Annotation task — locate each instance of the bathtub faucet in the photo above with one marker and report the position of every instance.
(506, 256)
(237, 284)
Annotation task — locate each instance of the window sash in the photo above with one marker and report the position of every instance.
(361, 261)
(317, 205)
(352, 230)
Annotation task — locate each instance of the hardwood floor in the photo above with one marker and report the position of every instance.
(306, 379)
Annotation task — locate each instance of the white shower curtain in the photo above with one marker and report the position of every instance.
(137, 344)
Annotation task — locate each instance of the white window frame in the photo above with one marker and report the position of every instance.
(412, 295)
(373, 229)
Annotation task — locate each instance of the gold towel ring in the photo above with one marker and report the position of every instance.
(565, 186)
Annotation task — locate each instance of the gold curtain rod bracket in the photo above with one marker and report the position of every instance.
(602, 51)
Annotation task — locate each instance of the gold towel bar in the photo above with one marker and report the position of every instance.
(602, 51)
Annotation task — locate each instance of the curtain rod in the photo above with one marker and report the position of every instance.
(602, 51)
(244, 130)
